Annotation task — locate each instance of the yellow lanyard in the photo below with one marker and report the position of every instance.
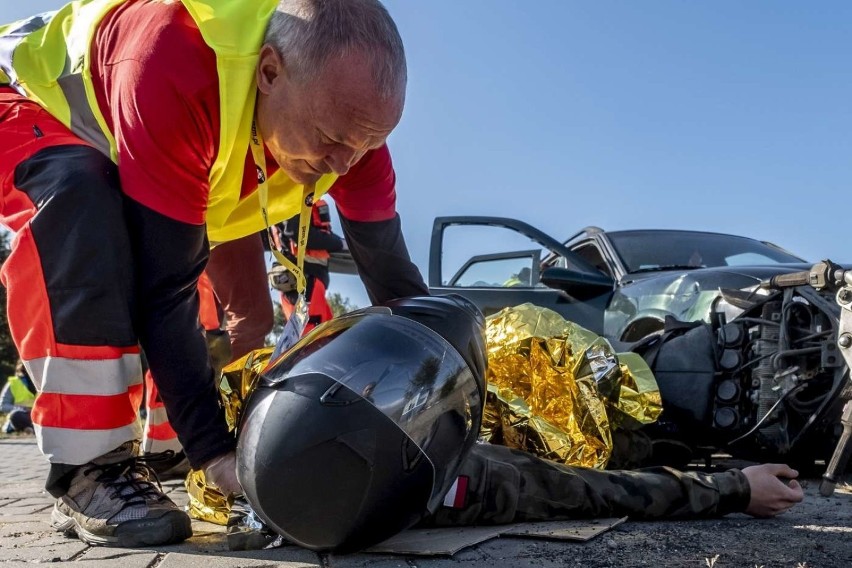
(304, 213)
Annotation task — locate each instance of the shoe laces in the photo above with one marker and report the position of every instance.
(133, 479)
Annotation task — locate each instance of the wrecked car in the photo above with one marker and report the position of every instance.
(765, 376)
(620, 284)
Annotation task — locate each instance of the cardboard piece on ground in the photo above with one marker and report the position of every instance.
(436, 542)
(564, 530)
(448, 541)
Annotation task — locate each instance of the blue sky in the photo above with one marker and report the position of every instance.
(724, 116)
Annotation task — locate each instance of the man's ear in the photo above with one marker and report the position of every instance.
(270, 67)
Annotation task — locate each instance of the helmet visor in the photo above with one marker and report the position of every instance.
(406, 371)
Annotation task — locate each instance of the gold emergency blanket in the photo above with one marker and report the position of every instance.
(238, 380)
(558, 390)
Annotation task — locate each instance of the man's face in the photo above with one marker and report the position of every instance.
(324, 125)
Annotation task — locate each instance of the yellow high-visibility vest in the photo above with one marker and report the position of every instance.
(22, 395)
(46, 58)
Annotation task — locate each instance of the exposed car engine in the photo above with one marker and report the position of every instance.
(769, 384)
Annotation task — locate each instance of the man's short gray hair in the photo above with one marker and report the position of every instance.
(307, 33)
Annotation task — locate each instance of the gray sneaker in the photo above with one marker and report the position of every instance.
(111, 501)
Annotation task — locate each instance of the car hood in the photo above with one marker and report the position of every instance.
(743, 274)
(684, 294)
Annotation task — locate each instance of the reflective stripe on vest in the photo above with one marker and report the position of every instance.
(314, 256)
(47, 59)
(10, 36)
(44, 59)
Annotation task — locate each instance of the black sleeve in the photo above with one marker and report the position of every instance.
(381, 256)
(169, 256)
(511, 486)
(319, 239)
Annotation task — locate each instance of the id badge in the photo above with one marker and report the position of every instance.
(293, 328)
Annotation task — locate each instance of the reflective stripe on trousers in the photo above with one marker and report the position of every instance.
(85, 405)
(158, 435)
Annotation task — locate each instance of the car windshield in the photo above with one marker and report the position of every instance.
(643, 251)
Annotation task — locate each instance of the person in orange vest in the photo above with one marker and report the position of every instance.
(321, 243)
(121, 163)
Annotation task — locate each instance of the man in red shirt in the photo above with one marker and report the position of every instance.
(134, 131)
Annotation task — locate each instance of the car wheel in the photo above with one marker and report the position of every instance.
(642, 328)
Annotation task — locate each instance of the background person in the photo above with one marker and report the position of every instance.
(522, 278)
(16, 401)
(321, 243)
(237, 270)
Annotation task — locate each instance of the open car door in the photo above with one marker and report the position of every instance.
(503, 266)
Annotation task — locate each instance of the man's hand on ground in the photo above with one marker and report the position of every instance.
(221, 473)
(774, 489)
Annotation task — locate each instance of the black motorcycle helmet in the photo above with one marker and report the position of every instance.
(358, 431)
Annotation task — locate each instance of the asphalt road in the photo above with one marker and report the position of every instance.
(817, 533)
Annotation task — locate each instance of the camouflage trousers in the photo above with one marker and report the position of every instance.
(499, 485)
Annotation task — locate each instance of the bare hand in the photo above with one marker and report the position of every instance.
(774, 489)
(221, 473)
